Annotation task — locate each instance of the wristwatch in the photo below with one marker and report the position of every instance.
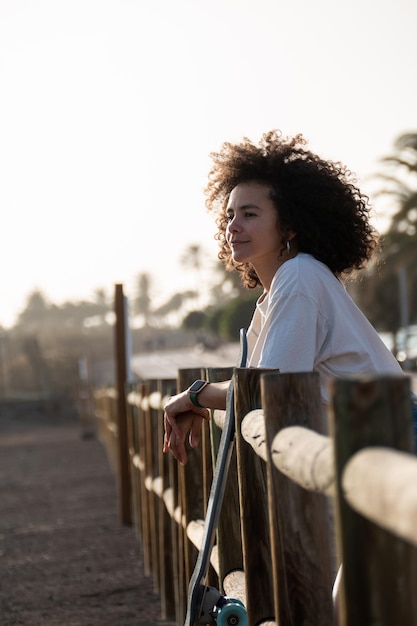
(196, 387)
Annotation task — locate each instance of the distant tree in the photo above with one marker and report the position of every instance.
(194, 320)
(39, 315)
(388, 290)
(35, 310)
(226, 285)
(192, 258)
(174, 305)
(400, 182)
(100, 297)
(237, 313)
(142, 300)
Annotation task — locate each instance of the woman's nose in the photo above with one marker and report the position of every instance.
(233, 225)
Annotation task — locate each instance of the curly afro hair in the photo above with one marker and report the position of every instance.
(316, 199)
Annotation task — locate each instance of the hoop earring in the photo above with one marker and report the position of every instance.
(288, 246)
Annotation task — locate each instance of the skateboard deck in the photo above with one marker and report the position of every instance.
(206, 605)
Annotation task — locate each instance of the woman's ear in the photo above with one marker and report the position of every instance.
(292, 244)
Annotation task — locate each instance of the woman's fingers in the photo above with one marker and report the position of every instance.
(177, 448)
(176, 430)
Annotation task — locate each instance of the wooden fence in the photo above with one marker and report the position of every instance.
(304, 495)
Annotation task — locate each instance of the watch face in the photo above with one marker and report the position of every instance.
(197, 385)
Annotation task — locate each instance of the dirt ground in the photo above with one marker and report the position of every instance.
(65, 560)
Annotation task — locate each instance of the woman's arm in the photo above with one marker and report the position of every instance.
(182, 417)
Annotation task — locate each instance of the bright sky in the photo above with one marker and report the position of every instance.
(110, 108)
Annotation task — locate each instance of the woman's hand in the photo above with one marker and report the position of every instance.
(182, 417)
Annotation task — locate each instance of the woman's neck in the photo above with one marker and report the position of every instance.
(266, 274)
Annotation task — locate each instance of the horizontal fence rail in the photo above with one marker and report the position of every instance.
(381, 484)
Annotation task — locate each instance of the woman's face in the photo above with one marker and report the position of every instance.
(252, 231)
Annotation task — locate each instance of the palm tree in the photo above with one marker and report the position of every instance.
(192, 259)
(389, 289)
(400, 242)
(401, 184)
(142, 300)
(227, 285)
(174, 305)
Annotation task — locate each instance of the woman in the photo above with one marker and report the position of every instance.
(294, 224)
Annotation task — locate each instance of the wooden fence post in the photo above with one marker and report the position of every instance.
(150, 416)
(132, 409)
(167, 548)
(303, 571)
(143, 463)
(379, 569)
(253, 503)
(124, 481)
(191, 495)
(229, 541)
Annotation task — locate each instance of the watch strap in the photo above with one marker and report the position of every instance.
(194, 390)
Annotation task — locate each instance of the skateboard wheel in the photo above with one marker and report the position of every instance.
(232, 613)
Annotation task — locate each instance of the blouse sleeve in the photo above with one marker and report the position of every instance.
(295, 331)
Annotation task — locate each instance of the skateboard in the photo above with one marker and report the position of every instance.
(206, 605)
